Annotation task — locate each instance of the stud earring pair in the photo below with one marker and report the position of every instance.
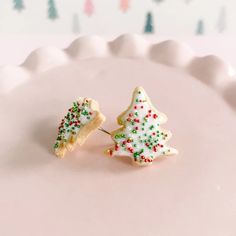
(140, 136)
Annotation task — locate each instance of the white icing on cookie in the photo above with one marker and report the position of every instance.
(77, 117)
(141, 137)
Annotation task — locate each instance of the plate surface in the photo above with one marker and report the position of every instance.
(88, 193)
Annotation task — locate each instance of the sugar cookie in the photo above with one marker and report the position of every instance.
(141, 137)
(82, 118)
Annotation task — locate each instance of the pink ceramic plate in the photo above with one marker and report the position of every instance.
(88, 193)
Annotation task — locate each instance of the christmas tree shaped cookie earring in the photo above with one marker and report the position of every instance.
(141, 138)
(82, 118)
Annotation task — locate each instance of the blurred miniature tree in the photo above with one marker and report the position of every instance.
(158, 1)
(149, 23)
(188, 1)
(18, 5)
(89, 8)
(200, 27)
(75, 22)
(124, 5)
(52, 11)
(221, 24)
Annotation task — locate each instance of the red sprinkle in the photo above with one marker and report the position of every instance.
(130, 149)
(154, 116)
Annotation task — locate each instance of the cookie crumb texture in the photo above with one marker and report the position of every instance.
(82, 118)
(141, 137)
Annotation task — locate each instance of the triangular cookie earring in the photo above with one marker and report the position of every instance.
(81, 119)
(141, 138)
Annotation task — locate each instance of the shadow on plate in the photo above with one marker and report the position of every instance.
(230, 94)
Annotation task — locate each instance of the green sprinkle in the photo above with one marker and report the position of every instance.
(118, 136)
(85, 113)
(151, 127)
(136, 154)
